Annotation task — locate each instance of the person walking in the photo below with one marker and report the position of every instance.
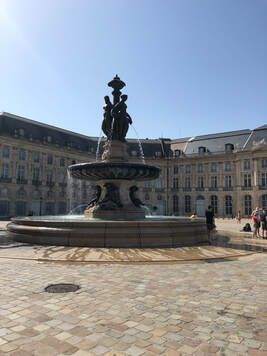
(264, 223)
(238, 216)
(210, 222)
(256, 226)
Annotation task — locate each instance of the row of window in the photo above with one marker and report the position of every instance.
(214, 201)
(214, 166)
(228, 181)
(36, 156)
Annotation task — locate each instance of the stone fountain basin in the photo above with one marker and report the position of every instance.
(114, 170)
(69, 230)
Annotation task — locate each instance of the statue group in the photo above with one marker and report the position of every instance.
(116, 120)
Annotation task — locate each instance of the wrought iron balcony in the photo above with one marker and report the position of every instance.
(187, 189)
(200, 189)
(159, 190)
(174, 189)
(263, 187)
(146, 189)
(6, 179)
(213, 189)
(50, 184)
(36, 182)
(246, 188)
(22, 181)
(227, 189)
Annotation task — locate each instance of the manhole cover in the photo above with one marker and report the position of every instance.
(62, 288)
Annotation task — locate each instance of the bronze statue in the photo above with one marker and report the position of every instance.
(121, 120)
(96, 197)
(107, 121)
(136, 201)
(111, 199)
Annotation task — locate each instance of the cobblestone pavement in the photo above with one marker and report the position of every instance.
(135, 309)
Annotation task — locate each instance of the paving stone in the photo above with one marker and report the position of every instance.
(148, 309)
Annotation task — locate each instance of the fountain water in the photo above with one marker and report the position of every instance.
(115, 216)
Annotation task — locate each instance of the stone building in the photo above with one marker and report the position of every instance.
(227, 170)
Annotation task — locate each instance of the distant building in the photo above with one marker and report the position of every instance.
(227, 170)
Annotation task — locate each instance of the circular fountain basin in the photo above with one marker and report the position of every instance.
(70, 230)
(96, 171)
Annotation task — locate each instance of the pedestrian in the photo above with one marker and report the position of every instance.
(264, 223)
(256, 226)
(238, 216)
(210, 221)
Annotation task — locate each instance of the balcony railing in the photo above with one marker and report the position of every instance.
(213, 189)
(174, 189)
(159, 190)
(199, 189)
(246, 188)
(263, 187)
(227, 189)
(36, 182)
(50, 184)
(6, 179)
(146, 189)
(187, 189)
(22, 181)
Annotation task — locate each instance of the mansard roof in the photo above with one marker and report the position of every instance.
(39, 132)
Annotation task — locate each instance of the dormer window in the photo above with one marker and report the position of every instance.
(202, 150)
(177, 153)
(133, 153)
(21, 132)
(49, 139)
(158, 154)
(229, 147)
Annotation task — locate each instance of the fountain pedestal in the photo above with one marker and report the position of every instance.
(115, 217)
(115, 202)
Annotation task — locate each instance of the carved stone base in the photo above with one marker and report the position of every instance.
(119, 214)
(116, 201)
(115, 151)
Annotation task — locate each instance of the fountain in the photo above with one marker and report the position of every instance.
(115, 217)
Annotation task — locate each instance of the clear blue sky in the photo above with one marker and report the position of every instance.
(191, 67)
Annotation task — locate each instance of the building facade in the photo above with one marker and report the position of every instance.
(227, 170)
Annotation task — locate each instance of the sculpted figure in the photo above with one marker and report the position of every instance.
(107, 121)
(111, 199)
(136, 201)
(122, 120)
(96, 197)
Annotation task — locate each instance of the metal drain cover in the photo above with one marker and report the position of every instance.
(61, 288)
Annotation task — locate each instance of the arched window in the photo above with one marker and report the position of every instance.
(175, 204)
(264, 201)
(175, 183)
(5, 170)
(5, 152)
(214, 203)
(228, 205)
(248, 204)
(187, 204)
(4, 208)
(3, 192)
(22, 154)
(146, 196)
